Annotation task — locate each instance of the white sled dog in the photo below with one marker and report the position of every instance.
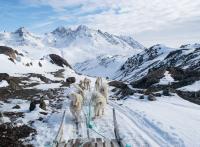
(80, 91)
(104, 90)
(99, 102)
(81, 84)
(98, 83)
(76, 105)
(87, 83)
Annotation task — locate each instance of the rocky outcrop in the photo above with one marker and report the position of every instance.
(55, 59)
(118, 84)
(8, 52)
(159, 56)
(4, 76)
(70, 80)
(190, 96)
(41, 77)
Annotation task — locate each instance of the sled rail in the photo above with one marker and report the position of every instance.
(59, 135)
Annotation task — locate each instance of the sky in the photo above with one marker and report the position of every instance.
(169, 22)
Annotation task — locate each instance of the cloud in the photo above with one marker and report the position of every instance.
(125, 16)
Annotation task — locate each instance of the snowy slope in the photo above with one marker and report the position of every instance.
(103, 66)
(193, 87)
(163, 120)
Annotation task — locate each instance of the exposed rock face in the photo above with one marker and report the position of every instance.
(159, 56)
(16, 107)
(59, 73)
(8, 51)
(4, 76)
(12, 136)
(32, 105)
(151, 97)
(41, 77)
(190, 96)
(117, 84)
(70, 80)
(59, 60)
(151, 78)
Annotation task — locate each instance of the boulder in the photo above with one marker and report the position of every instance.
(4, 76)
(166, 92)
(118, 84)
(40, 64)
(59, 61)
(70, 80)
(32, 105)
(157, 94)
(151, 97)
(16, 107)
(8, 52)
(141, 97)
(42, 104)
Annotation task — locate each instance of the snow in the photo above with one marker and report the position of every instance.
(69, 43)
(193, 87)
(103, 66)
(167, 79)
(164, 120)
(4, 83)
(47, 86)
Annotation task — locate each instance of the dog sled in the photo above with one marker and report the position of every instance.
(90, 142)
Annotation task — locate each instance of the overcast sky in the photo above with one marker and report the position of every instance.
(170, 22)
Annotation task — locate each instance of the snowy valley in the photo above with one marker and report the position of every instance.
(154, 91)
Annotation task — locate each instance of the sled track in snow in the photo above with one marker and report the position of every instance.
(149, 133)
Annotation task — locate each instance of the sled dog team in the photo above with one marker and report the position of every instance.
(99, 97)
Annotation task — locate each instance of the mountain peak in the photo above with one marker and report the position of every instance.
(21, 31)
(82, 27)
(195, 45)
(61, 30)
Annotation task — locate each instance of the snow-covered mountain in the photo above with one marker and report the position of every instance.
(103, 66)
(70, 44)
(137, 66)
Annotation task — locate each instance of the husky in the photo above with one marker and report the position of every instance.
(76, 105)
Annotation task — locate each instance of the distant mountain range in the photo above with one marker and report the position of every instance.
(75, 45)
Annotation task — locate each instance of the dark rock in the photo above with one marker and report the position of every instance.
(150, 97)
(4, 76)
(166, 92)
(44, 113)
(32, 105)
(40, 64)
(20, 54)
(70, 80)
(141, 97)
(40, 119)
(8, 51)
(13, 116)
(118, 84)
(157, 94)
(190, 96)
(16, 107)
(14, 84)
(41, 77)
(27, 64)
(12, 136)
(11, 59)
(153, 77)
(59, 60)
(42, 104)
